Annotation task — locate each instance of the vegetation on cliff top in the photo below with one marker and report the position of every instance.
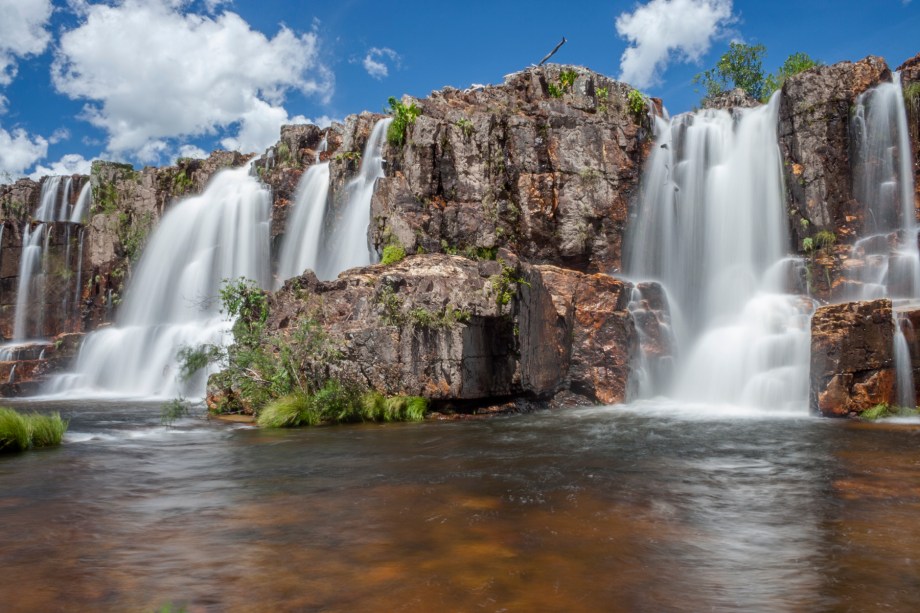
(404, 115)
(742, 67)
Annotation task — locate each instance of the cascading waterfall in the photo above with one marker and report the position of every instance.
(300, 247)
(889, 259)
(711, 228)
(84, 200)
(347, 243)
(29, 263)
(883, 184)
(172, 298)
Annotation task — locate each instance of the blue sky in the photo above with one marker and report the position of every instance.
(145, 81)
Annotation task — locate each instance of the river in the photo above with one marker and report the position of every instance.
(642, 508)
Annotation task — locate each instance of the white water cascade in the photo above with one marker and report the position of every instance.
(29, 265)
(172, 298)
(711, 228)
(347, 243)
(84, 201)
(300, 247)
(883, 184)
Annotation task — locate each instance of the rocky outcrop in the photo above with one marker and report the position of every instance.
(467, 333)
(545, 164)
(732, 99)
(814, 134)
(852, 361)
(22, 367)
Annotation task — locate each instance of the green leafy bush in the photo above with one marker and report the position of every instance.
(392, 254)
(637, 103)
(404, 115)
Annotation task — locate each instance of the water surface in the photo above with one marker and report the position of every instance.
(597, 509)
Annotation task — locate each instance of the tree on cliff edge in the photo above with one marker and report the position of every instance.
(742, 67)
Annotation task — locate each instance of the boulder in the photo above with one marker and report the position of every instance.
(852, 357)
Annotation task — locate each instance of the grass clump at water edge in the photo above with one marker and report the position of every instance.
(20, 432)
(337, 403)
(885, 410)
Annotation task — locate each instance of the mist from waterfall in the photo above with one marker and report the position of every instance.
(711, 228)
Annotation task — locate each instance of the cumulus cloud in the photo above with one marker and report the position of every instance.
(22, 33)
(191, 151)
(375, 61)
(662, 31)
(70, 164)
(18, 151)
(260, 127)
(151, 72)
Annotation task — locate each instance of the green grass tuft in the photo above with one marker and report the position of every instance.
(47, 430)
(289, 412)
(20, 432)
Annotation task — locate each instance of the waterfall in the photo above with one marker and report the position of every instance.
(883, 185)
(84, 200)
(48, 199)
(906, 396)
(171, 301)
(711, 228)
(29, 263)
(347, 243)
(300, 247)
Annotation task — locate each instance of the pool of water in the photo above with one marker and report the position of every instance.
(651, 507)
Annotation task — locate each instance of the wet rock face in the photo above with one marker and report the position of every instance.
(814, 131)
(545, 165)
(852, 357)
(910, 82)
(467, 332)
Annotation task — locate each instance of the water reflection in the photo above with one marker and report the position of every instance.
(580, 511)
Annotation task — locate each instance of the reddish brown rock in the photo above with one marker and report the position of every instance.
(466, 333)
(852, 357)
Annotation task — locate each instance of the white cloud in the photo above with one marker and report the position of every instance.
(665, 30)
(191, 151)
(374, 66)
(260, 128)
(70, 164)
(152, 72)
(22, 33)
(19, 150)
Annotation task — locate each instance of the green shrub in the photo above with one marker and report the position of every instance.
(392, 254)
(466, 126)
(567, 79)
(404, 115)
(885, 410)
(554, 90)
(638, 104)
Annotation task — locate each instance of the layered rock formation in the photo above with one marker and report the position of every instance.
(465, 333)
(852, 357)
(545, 165)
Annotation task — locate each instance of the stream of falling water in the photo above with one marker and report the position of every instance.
(711, 228)
(171, 302)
